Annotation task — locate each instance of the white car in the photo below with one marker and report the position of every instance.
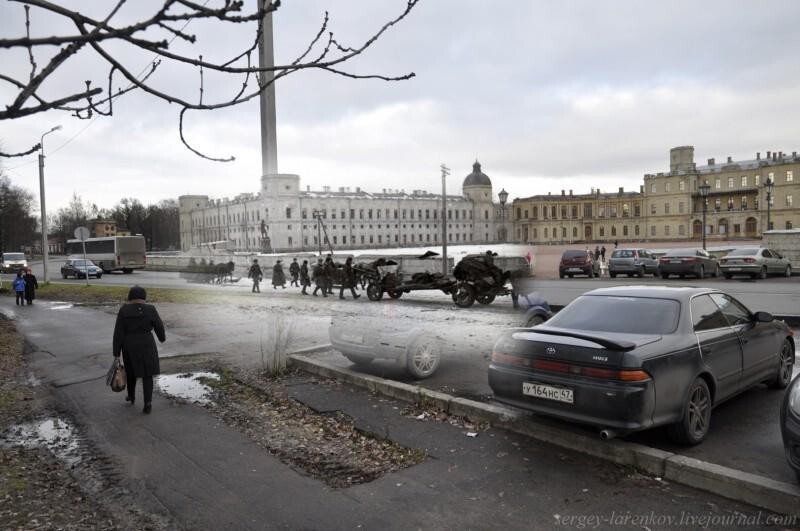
(13, 262)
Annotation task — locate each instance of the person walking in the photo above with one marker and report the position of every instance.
(19, 288)
(294, 272)
(330, 273)
(31, 285)
(603, 254)
(616, 244)
(596, 252)
(304, 280)
(319, 279)
(348, 279)
(278, 277)
(133, 339)
(256, 274)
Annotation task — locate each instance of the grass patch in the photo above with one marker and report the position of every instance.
(97, 294)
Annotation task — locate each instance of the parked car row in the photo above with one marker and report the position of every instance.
(691, 262)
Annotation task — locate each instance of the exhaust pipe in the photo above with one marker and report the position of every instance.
(607, 434)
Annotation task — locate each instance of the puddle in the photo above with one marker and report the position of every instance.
(186, 386)
(56, 434)
(61, 306)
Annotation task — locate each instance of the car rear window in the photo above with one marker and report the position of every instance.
(625, 315)
(573, 254)
(681, 252)
(623, 253)
(743, 252)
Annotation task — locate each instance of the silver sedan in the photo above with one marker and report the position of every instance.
(756, 262)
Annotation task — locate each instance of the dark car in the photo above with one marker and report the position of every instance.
(79, 268)
(693, 262)
(629, 358)
(578, 263)
(639, 262)
(790, 425)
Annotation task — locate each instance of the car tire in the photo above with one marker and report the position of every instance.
(485, 299)
(127, 271)
(358, 360)
(695, 419)
(464, 296)
(612, 275)
(763, 273)
(640, 274)
(99, 276)
(785, 366)
(423, 357)
(395, 294)
(702, 272)
(788, 271)
(535, 320)
(665, 276)
(716, 272)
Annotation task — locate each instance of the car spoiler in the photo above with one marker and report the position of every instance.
(611, 344)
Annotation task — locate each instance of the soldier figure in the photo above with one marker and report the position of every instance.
(294, 272)
(348, 279)
(330, 272)
(304, 280)
(256, 274)
(319, 279)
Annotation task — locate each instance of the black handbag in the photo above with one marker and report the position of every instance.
(115, 377)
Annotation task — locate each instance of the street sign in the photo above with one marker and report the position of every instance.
(82, 233)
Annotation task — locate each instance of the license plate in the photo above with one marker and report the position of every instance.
(574, 269)
(353, 338)
(548, 392)
(734, 269)
(675, 262)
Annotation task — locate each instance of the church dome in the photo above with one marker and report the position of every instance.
(477, 177)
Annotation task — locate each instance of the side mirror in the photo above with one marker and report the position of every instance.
(763, 317)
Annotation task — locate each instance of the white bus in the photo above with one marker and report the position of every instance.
(113, 253)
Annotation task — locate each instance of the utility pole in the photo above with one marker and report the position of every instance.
(445, 173)
(45, 249)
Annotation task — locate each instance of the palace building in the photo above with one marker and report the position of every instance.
(286, 217)
(669, 205)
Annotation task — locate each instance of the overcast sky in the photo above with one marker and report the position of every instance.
(547, 95)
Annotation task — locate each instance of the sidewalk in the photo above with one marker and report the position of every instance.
(182, 462)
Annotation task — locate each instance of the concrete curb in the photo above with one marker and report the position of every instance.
(765, 493)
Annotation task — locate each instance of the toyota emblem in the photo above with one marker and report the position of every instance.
(551, 351)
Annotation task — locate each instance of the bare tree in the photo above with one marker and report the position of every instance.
(324, 52)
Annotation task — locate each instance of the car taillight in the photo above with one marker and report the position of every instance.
(623, 375)
(750, 260)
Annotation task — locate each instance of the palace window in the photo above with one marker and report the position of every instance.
(789, 200)
(653, 188)
(652, 230)
(730, 182)
(666, 208)
(680, 207)
(682, 230)
(652, 208)
(666, 230)
(682, 185)
(717, 183)
(744, 181)
(789, 176)
(667, 187)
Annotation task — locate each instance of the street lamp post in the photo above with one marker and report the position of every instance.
(503, 195)
(445, 172)
(769, 186)
(704, 189)
(45, 250)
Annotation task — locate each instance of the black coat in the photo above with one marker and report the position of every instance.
(30, 286)
(304, 280)
(133, 338)
(278, 278)
(348, 276)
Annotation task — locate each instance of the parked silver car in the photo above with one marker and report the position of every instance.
(639, 262)
(756, 262)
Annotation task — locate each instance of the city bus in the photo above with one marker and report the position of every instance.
(113, 253)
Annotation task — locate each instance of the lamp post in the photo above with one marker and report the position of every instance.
(45, 250)
(316, 215)
(445, 172)
(769, 186)
(503, 195)
(704, 189)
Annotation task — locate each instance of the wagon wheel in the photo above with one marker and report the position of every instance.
(395, 294)
(464, 296)
(486, 298)
(374, 291)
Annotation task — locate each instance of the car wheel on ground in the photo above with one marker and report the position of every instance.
(374, 291)
(640, 274)
(786, 364)
(702, 272)
(423, 357)
(762, 274)
(788, 271)
(693, 425)
(535, 321)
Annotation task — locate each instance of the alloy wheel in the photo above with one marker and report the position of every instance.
(787, 362)
(699, 411)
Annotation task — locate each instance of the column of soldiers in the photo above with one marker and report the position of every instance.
(323, 274)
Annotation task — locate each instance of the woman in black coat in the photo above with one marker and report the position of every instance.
(30, 286)
(133, 339)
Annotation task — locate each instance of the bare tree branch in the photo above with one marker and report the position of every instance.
(23, 153)
(168, 21)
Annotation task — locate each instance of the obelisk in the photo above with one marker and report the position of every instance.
(269, 137)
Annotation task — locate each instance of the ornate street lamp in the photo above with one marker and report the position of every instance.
(503, 195)
(704, 189)
(769, 186)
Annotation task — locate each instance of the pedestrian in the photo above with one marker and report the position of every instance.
(257, 275)
(319, 279)
(616, 243)
(278, 277)
(304, 280)
(31, 285)
(330, 273)
(133, 339)
(603, 254)
(348, 279)
(597, 252)
(19, 288)
(294, 272)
